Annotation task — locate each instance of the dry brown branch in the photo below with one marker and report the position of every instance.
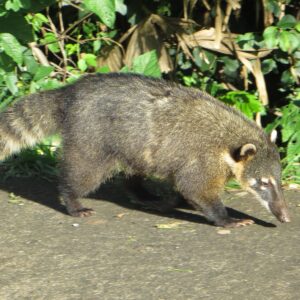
(59, 41)
(268, 16)
(151, 34)
(206, 4)
(38, 54)
(206, 38)
(231, 5)
(112, 57)
(260, 81)
(218, 25)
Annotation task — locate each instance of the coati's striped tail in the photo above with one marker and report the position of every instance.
(28, 121)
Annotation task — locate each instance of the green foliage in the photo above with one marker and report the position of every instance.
(48, 43)
(245, 102)
(40, 161)
(12, 47)
(145, 64)
(289, 125)
(106, 9)
(285, 34)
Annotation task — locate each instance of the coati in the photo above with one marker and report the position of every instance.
(150, 126)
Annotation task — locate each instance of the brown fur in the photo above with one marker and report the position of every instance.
(149, 126)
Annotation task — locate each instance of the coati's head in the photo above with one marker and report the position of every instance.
(258, 170)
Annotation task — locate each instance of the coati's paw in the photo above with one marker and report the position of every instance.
(233, 223)
(82, 212)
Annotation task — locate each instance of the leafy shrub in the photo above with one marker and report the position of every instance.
(250, 63)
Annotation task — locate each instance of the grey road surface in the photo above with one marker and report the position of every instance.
(123, 252)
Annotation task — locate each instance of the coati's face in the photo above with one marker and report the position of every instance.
(262, 179)
(259, 172)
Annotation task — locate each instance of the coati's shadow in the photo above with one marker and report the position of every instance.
(46, 193)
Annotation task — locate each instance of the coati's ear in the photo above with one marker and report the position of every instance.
(273, 136)
(244, 153)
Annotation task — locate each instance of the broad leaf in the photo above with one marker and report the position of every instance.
(42, 72)
(15, 24)
(284, 41)
(11, 82)
(270, 36)
(287, 21)
(147, 64)
(104, 9)
(12, 47)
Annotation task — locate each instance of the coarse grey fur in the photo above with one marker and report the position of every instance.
(149, 126)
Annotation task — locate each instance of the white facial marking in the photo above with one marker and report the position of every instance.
(273, 181)
(265, 180)
(252, 181)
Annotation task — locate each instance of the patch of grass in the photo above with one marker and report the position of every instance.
(40, 161)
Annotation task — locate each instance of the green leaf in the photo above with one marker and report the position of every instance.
(287, 21)
(121, 7)
(147, 64)
(125, 69)
(12, 47)
(6, 63)
(50, 84)
(42, 72)
(30, 63)
(82, 65)
(15, 24)
(51, 41)
(230, 66)
(297, 26)
(104, 9)
(11, 82)
(246, 41)
(287, 78)
(268, 65)
(270, 35)
(90, 59)
(273, 6)
(294, 38)
(284, 41)
(103, 69)
(205, 60)
(37, 6)
(37, 20)
(96, 45)
(14, 5)
(245, 102)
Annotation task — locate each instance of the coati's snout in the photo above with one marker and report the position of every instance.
(259, 171)
(269, 193)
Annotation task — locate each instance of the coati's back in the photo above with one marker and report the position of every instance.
(151, 123)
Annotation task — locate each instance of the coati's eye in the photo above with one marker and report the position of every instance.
(265, 182)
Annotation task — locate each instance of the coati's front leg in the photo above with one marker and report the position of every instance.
(216, 212)
(203, 195)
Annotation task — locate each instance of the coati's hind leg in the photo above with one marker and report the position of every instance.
(203, 195)
(80, 177)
